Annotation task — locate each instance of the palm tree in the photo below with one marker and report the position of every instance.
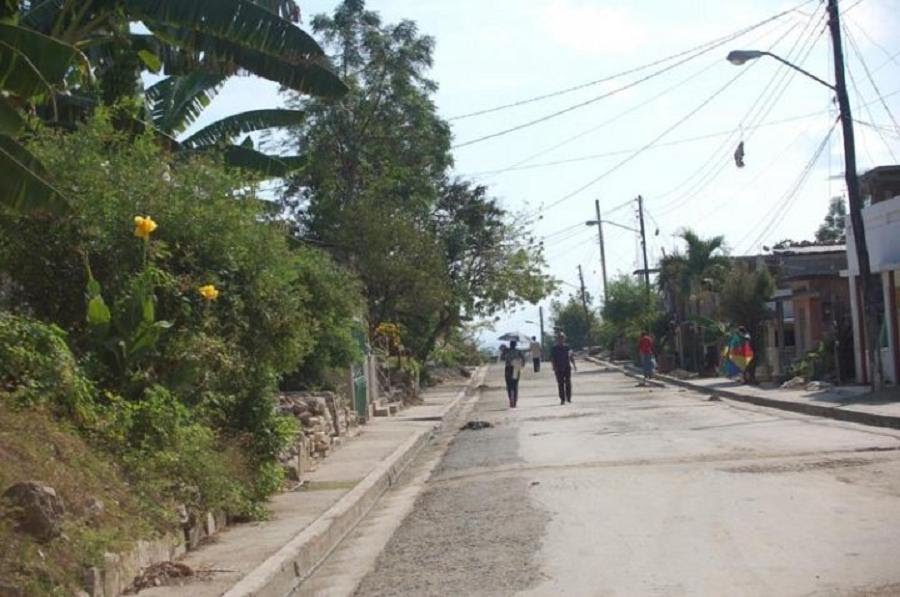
(705, 265)
(685, 279)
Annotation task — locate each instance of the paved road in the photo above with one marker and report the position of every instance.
(638, 491)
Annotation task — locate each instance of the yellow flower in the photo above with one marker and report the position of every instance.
(143, 226)
(209, 292)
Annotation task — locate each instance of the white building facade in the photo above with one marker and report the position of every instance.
(881, 218)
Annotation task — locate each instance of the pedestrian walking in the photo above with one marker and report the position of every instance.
(737, 357)
(563, 363)
(647, 352)
(515, 361)
(536, 353)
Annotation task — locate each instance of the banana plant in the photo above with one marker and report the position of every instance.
(224, 37)
(32, 67)
(175, 103)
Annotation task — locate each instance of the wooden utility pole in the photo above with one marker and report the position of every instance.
(602, 250)
(854, 199)
(541, 319)
(640, 202)
(587, 317)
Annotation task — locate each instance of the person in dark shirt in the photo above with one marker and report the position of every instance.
(563, 362)
(514, 362)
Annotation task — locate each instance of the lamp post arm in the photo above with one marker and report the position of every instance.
(797, 68)
(621, 226)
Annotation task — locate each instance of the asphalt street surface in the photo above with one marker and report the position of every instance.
(646, 491)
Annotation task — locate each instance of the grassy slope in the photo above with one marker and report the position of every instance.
(34, 446)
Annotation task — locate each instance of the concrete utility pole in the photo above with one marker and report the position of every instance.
(640, 202)
(602, 250)
(854, 198)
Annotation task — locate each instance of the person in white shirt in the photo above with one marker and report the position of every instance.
(536, 353)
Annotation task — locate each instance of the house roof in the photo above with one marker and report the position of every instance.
(810, 249)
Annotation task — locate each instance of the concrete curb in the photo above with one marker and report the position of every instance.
(283, 572)
(624, 371)
(816, 410)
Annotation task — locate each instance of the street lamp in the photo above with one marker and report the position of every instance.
(739, 57)
(854, 199)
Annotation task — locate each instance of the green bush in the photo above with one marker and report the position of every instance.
(208, 377)
(37, 367)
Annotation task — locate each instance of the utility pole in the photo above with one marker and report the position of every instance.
(602, 250)
(854, 198)
(640, 202)
(541, 319)
(587, 317)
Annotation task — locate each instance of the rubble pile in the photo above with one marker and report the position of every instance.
(324, 418)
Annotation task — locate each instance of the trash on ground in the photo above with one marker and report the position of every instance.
(158, 575)
(476, 425)
(681, 374)
(795, 383)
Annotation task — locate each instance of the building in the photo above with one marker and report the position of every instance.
(880, 188)
(811, 305)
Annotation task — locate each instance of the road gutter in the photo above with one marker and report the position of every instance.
(283, 572)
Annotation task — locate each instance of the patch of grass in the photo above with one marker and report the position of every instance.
(34, 446)
(328, 485)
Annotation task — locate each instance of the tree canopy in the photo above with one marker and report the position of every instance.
(432, 251)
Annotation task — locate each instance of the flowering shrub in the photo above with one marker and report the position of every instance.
(202, 316)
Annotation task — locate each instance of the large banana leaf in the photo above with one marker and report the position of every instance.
(245, 122)
(266, 166)
(24, 185)
(31, 62)
(176, 102)
(10, 121)
(307, 74)
(239, 21)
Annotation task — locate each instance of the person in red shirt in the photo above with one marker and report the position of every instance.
(647, 350)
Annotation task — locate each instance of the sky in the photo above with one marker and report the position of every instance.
(667, 136)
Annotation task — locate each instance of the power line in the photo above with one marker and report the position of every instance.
(866, 107)
(705, 175)
(654, 74)
(790, 195)
(616, 117)
(760, 108)
(871, 40)
(874, 85)
(637, 69)
(653, 142)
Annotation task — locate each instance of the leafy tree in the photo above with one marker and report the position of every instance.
(742, 300)
(489, 265)
(629, 310)
(373, 189)
(834, 228)
(569, 317)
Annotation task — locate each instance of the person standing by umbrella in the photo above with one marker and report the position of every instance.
(563, 362)
(515, 361)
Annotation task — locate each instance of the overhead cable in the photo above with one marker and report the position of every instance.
(631, 71)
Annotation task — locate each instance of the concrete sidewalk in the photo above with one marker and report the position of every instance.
(846, 403)
(272, 557)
